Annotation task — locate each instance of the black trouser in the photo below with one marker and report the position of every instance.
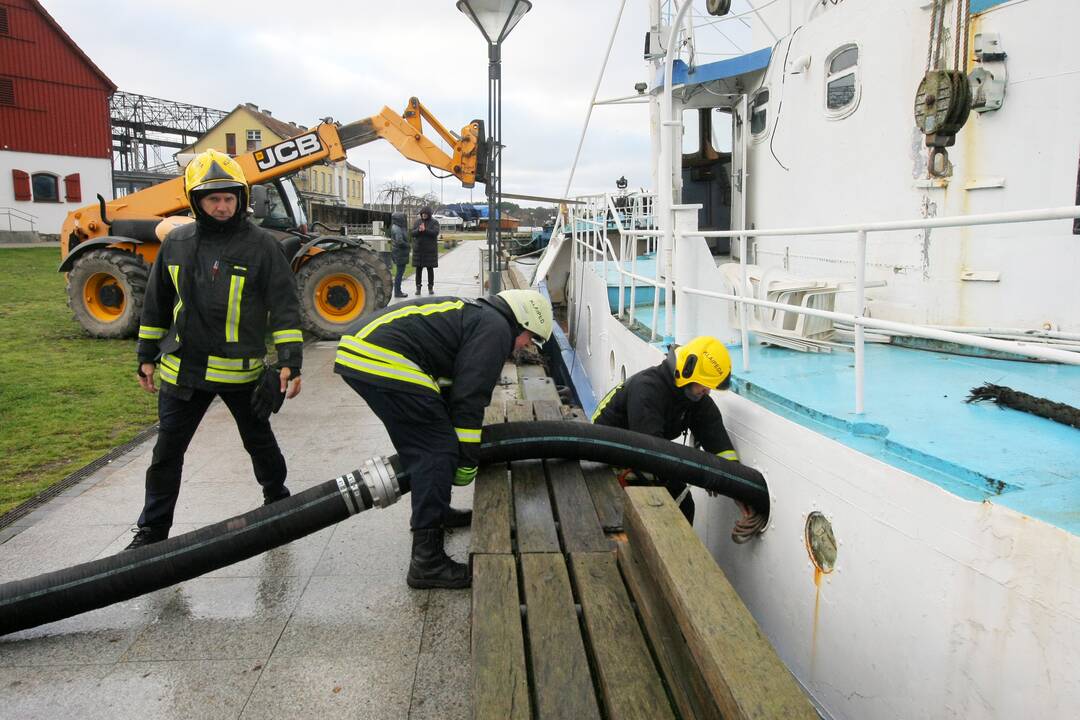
(430, 277)
(398, 277)
(423, 435)
(179, 418)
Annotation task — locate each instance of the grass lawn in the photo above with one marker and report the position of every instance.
(65, 398)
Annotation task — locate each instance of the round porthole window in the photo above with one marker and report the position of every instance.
(820, 542)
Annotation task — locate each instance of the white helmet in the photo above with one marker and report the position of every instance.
(531, 309)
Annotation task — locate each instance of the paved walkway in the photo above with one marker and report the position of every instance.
(322, 628)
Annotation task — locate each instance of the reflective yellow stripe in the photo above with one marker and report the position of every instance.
(603, 403)
(232, 376)
(444, 382)
(385, 370)
(174, 272)
(224, 363)
(363, 348)
(232, 316)
(728, 455)
(169, 368)
(429, 309)
(284, 336)
(146, 332)
(468, 435)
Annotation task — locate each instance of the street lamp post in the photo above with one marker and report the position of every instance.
(495, 19)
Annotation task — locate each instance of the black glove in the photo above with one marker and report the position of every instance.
(267, 397)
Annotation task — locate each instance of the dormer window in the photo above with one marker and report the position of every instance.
(842, 81)
(759, 120)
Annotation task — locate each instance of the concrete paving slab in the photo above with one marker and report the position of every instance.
(323, 627)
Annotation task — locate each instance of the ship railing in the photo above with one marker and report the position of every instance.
(594, 245)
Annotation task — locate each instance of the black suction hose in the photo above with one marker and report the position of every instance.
(380, 482)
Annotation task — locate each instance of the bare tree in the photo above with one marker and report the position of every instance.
(395, 193)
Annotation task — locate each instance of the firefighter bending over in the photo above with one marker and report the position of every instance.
(671, 398)
(427, 368)
(217, 286)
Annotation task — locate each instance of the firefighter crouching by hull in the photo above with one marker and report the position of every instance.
(218, 284)
(427, 368)
(667, 400)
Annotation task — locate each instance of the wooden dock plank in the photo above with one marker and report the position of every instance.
(683, 677)
(531, 371)
(607, 495)
(547, 410)
(500, 683)
(493, 511)
(630, 683)
(539, 388)
(560, 669)
(738, 664)
(578, 522)
(532, 509)
(519, 411)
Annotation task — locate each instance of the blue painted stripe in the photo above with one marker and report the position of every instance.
(978, 6)
(681, 73)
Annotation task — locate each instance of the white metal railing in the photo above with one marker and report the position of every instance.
(19, 215)
(595, 244)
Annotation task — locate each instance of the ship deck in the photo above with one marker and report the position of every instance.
(915, 416)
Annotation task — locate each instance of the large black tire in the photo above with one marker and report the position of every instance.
(385, 290)
(335, 289)
(105, 290)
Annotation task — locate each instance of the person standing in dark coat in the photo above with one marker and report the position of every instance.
(425, 238)
(399, 251)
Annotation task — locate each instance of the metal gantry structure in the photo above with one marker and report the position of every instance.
(144, 126)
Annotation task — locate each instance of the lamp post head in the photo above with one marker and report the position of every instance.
(494, 18)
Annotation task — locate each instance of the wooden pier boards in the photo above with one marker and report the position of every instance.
(572, 618)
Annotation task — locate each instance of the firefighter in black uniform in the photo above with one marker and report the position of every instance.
(218, 284)
(427, 368)
(667, 400)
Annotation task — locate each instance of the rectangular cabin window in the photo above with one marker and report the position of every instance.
(230, 143)
(841, 81)
(45, 187)
(758, 109)
(254, 140)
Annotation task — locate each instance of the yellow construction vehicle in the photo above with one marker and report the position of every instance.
(107, 248)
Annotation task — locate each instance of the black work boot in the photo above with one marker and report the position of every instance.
(147, 536)
(272, 496)
(455, 518)
(418, 290)
(431, 567)
(430, 290)
(398, 293)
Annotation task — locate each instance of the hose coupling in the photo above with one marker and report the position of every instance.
(381, 480)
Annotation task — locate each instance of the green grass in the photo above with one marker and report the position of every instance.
(65, 398)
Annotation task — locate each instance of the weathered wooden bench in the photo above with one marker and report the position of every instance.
(591, 601)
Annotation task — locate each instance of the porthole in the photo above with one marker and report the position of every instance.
(611, 365)
(622, 374)
(842, 81)
(820, 542)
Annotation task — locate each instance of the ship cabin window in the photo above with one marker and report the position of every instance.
(842, 81)
(758, 112)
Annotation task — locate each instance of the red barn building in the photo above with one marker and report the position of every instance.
(55, 135)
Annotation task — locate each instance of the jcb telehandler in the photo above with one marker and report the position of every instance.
(107, 248)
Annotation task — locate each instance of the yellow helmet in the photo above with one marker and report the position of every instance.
(532, 311)
(703, 360)
(214, 171)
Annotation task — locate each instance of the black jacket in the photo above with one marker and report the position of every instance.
(649, 402)
(210, 300)
(426, 244)
(437, 346)
(399, 242)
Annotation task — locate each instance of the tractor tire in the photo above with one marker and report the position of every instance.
(336, 288)
(385, 290)
(105, 290)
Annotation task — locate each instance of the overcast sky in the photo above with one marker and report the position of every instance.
(305, 61)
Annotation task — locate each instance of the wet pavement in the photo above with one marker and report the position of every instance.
(324, 627)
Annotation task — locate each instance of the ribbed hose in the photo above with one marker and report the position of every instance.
(63, 593)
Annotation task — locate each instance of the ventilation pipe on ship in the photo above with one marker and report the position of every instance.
(378, 483)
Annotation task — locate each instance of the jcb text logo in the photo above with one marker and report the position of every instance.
(288, 151)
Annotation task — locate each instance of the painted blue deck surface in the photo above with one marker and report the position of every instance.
(916, 418)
